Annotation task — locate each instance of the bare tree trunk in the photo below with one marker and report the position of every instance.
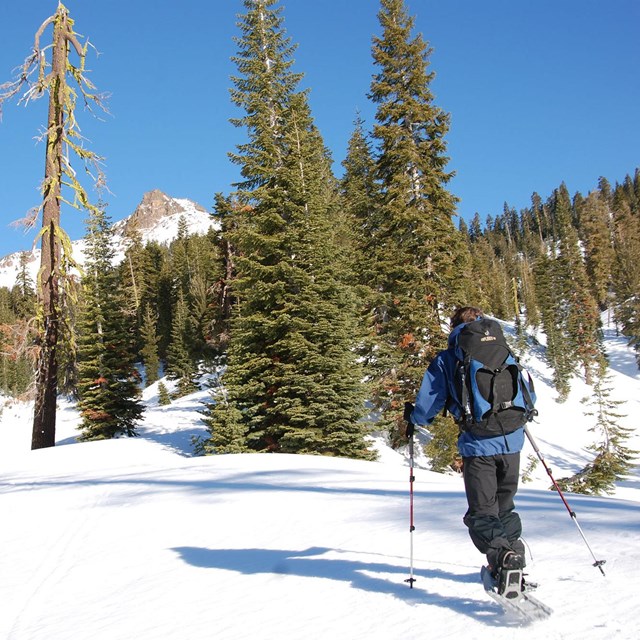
(44, 420)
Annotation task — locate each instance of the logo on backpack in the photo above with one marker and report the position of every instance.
(496, 394)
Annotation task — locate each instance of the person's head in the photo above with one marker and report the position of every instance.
(463, 315)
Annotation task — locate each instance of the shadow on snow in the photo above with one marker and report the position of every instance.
(310, 564)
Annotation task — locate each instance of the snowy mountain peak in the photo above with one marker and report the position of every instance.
(157, 208)
(156, 219)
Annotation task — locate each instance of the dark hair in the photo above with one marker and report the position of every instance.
(465, 314)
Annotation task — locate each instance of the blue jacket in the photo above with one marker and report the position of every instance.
(437, 391)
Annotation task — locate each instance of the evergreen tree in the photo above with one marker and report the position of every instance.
(23, 292)
(164, 300)
(107, 377)
(164, 398)
(180, 363)
(595, 234)
(613, 458)
(150, 341)
(132, 274)
(491, 287)
(360, 196)
(17, 338)
(626, 281)
(558, 352)
(196, 268)
(222, 286)
(581, 317)
(181, 259)
(528, 292)
(606, 193)
(292, 382)
(419, 257)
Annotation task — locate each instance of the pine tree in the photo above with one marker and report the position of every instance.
(132, 274)
(161, 293)
(292, 382)
(360, 196)
(595, 233)
(226, 271)
(23, 293)
(419, 256)
(549, 295)
(180, 362)
(626, 281)
(527, 292)
(581, 316)
(107, 377)
(181, 259)
(491, 281)
(150, 341)
(164, 398)
(17, 337)
(196, 265)
(613, 458)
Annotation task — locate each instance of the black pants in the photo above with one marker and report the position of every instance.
(491, 483)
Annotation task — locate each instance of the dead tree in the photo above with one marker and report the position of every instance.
(62, 137)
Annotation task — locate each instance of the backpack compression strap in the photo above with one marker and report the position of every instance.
(532, 412)
(465, 402)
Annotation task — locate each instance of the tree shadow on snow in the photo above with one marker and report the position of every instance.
(310, 563)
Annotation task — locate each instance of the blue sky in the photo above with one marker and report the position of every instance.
(538, 92)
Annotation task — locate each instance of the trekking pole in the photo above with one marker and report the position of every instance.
(408, 408)
(572, 513)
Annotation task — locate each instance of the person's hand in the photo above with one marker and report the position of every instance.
(408, 410)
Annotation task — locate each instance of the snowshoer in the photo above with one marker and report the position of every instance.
(491, 463)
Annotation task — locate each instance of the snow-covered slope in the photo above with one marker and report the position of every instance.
(156, 218)
(136, 539)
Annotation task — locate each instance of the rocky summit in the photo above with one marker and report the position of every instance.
(156, 219)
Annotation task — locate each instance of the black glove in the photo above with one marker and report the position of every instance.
(408, 410)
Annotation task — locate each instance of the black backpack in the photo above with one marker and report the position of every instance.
(496, 394)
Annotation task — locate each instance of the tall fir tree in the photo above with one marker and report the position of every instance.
(132, 274)
(23, 292)
(581, 317)
(528, 292)
(149, 352)
(491, 279)
(292, 382)
(18, 351)
(359, 192)
(107, 377)
(180, 360)
(595, 234)
(419, 257)
(626, 281)
(550, 298)
(613, 457)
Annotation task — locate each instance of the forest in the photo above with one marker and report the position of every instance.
(321, 299)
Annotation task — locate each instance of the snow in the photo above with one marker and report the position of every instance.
(137, 539)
